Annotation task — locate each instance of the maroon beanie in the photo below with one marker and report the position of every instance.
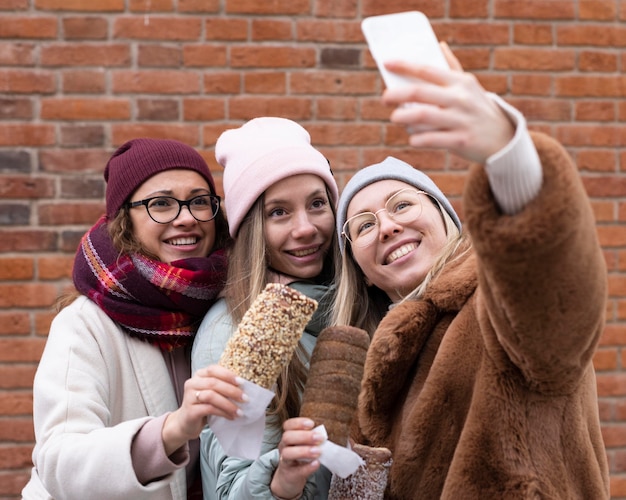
(139, 159)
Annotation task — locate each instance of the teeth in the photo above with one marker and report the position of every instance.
(401, 252)
(304, 253)
(183, 241)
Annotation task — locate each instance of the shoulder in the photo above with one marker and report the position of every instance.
(213, 334)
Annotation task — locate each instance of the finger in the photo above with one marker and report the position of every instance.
(220, 372)
(453, 62)
(298, 423)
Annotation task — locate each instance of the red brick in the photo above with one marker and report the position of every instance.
(16, 187)
(221, 82)
(20, 350)
(157, 28)
(469, 8)
(595, 111)
(594, 160)
(266, 29)
(55, 267)
(467, 34)
(597, 10)
(85, 109)
(14, 323)
(263, 82)
(184, 133)
(73, 161)
(83, 81)
(16, 268)
(142, 6)
(328, 31)
(81, 5)
(155, 82)
(534, 59)
(27, 295)
(204, 56)
(226, 29)
(349, 133)
(272, 56)
(605, 360)
(30, 240)
(17, 430)
(199, 6)
(40, 27)
(246, 108)
(336, 108)
(58, 214)
(594, 35)
(533, 34)
(14, 4)
(26, 135)
(12, 484)
(17, 54)
(531, 84)
(334, 82)
(597, 61)
(158, 56)
(81, 54)
(277, 7)
(535, 9)
(85, 28)
(27, 81)
(204, 109)
(336, 9)
(432, 8)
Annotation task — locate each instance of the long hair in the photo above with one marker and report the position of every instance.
(248, 273)
(364, 306)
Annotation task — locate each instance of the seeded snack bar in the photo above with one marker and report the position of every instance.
(332, 388)
(268, 334)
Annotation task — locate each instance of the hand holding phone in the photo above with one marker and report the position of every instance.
(404, 36)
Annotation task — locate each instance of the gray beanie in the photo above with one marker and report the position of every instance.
(390, 168)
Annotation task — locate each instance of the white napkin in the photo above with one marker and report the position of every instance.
(243, 437)
(339, 460)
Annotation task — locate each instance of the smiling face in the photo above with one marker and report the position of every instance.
(182, 238)
(402, 253)
(299, 225)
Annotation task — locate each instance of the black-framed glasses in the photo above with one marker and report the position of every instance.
(165, 209)
(362, 229)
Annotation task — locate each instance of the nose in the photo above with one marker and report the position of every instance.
(184, 217)
(387, 226)
(303, 226)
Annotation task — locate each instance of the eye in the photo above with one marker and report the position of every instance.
(401, 206)
(319, 203)
(201, 201)
(277, 212)
(162, 203)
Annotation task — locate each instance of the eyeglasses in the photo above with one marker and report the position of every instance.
(165, 209)
(362, 229)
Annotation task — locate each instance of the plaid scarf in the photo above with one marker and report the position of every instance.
(159, 302)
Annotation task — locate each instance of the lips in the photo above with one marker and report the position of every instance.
(188, 240)
(304, 253)
(401, 252)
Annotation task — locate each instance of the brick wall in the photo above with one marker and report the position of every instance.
(79, 77)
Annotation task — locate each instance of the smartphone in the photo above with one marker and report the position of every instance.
(403, 36)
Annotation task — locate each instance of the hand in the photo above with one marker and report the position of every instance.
(213, 390)
(448, 109)
(299, 452)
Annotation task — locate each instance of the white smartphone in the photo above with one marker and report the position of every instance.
(404, 36)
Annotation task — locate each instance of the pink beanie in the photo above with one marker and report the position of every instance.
(258, 154)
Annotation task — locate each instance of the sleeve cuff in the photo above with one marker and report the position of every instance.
(515, 173)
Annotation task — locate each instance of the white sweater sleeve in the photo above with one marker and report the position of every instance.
(514, 172)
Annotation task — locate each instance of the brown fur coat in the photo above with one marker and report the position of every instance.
(485, 389)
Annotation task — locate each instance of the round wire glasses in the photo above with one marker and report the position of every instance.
(362, 229)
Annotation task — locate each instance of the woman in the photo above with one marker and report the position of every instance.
(279, 196)
(479, 379)
(116, 414)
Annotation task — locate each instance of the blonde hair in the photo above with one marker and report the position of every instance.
(248, 273)
(363, 306)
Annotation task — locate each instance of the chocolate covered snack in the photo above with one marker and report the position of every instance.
(332, 388)
(268, 334)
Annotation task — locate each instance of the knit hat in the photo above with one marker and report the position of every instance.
(390, 168)
(139, 159)
(260, 153)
